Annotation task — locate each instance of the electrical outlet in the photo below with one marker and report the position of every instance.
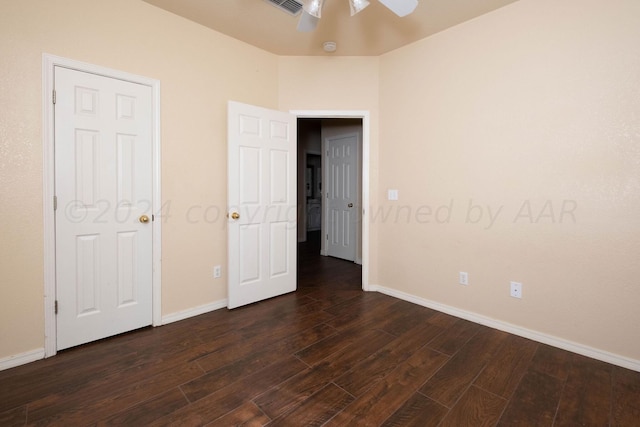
(217, 272)
(463, 278)
(516, 290)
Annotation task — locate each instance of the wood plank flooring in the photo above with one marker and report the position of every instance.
(326, 355)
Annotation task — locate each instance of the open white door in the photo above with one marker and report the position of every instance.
(342, 196)
(103, 185)
(262, 203)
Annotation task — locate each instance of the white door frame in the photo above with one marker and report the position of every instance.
(48, 187)
(364, 181)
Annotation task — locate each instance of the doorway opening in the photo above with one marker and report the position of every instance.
(331, 190)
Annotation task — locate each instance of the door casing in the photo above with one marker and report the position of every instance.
(48, 64)
(364, 177)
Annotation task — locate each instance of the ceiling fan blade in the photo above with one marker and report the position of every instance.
(307, 22)
(400, 7)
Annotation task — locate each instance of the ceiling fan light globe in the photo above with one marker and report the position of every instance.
(357, 5)
(313, 7)
(307, 23)
(400, 7)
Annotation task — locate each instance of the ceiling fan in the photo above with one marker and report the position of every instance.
(312, 10)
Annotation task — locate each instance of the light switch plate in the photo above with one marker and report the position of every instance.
(392, 194)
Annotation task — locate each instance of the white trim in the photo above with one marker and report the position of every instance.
(48, 188)
(366, 147)
(21, 359)
(157, 206)
(551, 340)
(324, 205)
(195, 311)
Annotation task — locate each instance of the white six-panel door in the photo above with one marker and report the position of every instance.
(262, 203)
(103, 186)
(342, 196)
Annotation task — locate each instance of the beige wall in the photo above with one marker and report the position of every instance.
(534, 105)
(199, 71)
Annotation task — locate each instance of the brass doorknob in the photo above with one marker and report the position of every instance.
(143, 219)
(350, 205)
(235, 215)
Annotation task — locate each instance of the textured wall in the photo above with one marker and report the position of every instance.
(514, 141)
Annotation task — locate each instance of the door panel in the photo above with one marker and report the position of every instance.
(262, 191)
(279, 236)
(103, 184)
(87, 274)
(342, 196)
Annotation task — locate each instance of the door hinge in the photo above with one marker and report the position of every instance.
(54, 96)
(327, 236)
(55, 307)
(153, 218)
(55, 203)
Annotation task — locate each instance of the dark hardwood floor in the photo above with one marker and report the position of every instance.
(328, 354)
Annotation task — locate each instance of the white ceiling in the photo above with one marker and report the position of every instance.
(374, 31)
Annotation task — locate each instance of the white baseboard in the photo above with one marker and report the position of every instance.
(21, 359)
(551, 340)
(371, 288)
(594, 353)
(33, 355)
(195, 311)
